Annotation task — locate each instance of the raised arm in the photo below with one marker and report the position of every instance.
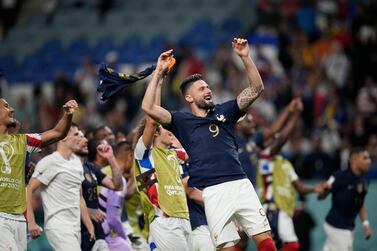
(255, 88)
(149, 105)
(280, 121)
(150, 124)
(113, 182)
(33, 228)
(62, 127)
(287, 131)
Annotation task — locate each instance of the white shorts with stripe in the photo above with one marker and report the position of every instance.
(233, 200)
(170, 234)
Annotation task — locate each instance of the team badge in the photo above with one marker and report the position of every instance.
(216, 236)
(261, 212)
(6, 153)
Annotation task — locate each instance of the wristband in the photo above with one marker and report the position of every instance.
(365, 223)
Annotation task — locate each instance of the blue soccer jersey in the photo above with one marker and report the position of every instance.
(348, 194)
(210, 144)
(247, 150)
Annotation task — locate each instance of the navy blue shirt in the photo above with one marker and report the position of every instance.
(247, 151)
(210, 144)
(196, 211)
(348, 194)
(93, 177)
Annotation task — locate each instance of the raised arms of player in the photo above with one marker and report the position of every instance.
(255, 88)
(113, 182)
(33, 228)
(364, 219)
(279, 142)
(151, 124)
(62, 127)
(85, 217)
(280, 121)
(149, 105)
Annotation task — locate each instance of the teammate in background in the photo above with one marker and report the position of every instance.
(278, 182)
(60, 175)
(14, 152)
(250, 141)
(92, 178)
(105, 132)
(348, 188)
(207, 136)
(111, 202)
(163, 197)
(200, 235)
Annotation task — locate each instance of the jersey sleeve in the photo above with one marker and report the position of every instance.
(144, 156)
(292, 174)
(181, 154)
(34, 142)
(141, 151)
(185, 170)
(173, 123)
(232, 111)
(45, 171)
(98, 173)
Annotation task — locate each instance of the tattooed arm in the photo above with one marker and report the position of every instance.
(251, 93)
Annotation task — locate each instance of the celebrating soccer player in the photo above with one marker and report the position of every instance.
(14, 150)
(60, 175)
(207, 134)
(348, 188)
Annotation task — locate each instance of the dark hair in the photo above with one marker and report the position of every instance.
(187, 82)
(122, 147)
(356, 150)
(97, 130)
(140, 131)
(92, 148)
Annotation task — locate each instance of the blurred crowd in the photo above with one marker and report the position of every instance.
(323, 51)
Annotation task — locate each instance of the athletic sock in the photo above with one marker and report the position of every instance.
(290, 246)
(267, 245)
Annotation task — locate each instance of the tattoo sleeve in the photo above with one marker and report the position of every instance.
(249, 95)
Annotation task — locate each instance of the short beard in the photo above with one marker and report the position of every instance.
(12, 124)
(81, 154)
(204, 105)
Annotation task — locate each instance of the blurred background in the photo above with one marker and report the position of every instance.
(324, 51)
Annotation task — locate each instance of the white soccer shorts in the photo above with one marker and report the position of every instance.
(286, 229)
(234, 200)
(201, 239)
(13, 235)
(170, 234)
(61, 240)
(337, 239)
